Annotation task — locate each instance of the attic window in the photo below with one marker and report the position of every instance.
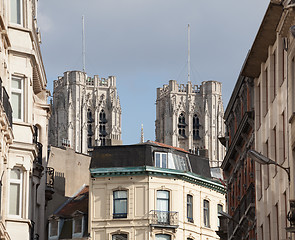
(78, 227)
(161, 160)
(53, 228)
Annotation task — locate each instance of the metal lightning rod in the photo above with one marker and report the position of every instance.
(83, 43)
(188, 54)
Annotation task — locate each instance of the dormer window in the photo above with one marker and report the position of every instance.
(78, 226)
(53, 229)
(161, 160)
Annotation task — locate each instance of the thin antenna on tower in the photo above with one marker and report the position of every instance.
(83, 43)
(188, 54)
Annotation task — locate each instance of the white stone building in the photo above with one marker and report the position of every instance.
(23, 136)
(86, 112)
(191, 117)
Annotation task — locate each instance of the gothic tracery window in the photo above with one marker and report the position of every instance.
(196, 127)
(102, 127)
(181, 125)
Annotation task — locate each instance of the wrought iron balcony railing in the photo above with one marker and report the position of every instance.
(164, 219)
(50, 177)
(39, 154)
(4, 98)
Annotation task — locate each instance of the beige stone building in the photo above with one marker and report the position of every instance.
(271, 64)
(191, 117)
(23, 134)
(152, 191)
(86, 112)
(71, 172)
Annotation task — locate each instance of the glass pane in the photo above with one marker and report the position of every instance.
(53, 228)
(119, 237)
(15, 174)
(163, 237)
(120, 194)
(15, 11)
(14, 199)
(16, 83)
(120, 206)
(163, 194)
(158, 160)
(16, 105)
(78, 225)
(164, 160)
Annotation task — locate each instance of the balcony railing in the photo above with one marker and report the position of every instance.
(164, 219)
(39, 153)
(50, 177)
(4, 98)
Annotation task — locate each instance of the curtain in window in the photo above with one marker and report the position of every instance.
(15, 191)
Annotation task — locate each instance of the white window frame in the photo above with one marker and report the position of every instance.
(21, 92)
(20, 183)
(49, 229)
(21, 13)
(78, 234)
(161, 159)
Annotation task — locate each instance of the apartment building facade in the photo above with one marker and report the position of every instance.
(24, 127)
(152, 191)
(191, 117)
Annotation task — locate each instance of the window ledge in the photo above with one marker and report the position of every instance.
(15, 219)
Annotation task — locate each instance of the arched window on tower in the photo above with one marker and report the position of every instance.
(181, 125)
(196, 127)
(102, 127)
(89, 128)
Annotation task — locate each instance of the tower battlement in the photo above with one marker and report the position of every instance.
(78, 77)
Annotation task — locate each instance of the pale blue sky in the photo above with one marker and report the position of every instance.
(144, 44)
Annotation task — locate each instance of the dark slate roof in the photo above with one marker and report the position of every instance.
(139, 155)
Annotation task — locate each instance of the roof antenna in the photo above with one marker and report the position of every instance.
(141, 136)
(83, 43)
(188, 54)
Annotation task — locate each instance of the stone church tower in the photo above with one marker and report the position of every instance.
(191, 117)
(86, 112)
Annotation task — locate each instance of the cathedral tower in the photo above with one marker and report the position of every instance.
(191, 117)
(86, 112)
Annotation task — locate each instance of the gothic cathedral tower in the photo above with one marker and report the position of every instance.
(191, 117)
(86, 112)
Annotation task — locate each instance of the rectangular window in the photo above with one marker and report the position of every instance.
(258, 104)
(219, 210)
(120, 204)
(53, 228)
(17, 97)
(16, 11)
(265, 97)
(274, 149)
(277, 220)
(15, 195)
(119, 237)
(161, 160)
(269, 226)
(206, 213)
(163, 207)
(190, 208)
(274, 76)
(77, 225)
(261, 232)
(266, 167)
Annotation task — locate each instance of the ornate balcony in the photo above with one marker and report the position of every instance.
(166, 219)
(4, 99)
(49, 183)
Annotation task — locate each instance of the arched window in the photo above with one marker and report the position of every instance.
(196, 127)
(181, 125)
(89, 116)
(102, 127)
